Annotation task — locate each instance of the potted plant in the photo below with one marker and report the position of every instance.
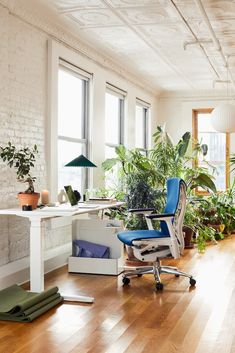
(190, 219)
(142, 179)
(22, 160)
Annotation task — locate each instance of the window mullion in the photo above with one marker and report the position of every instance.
(121, 121)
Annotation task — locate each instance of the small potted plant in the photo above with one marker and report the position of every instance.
(22, 160)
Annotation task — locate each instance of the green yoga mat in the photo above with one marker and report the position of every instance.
(17, 304)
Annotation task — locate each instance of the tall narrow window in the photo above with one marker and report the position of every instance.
(114, 127)
(141, 126)
(72, 124)
(218, 147)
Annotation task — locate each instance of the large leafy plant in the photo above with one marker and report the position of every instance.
(22, 160)
(176, 161)
(142, 179)
(164, 160)
(136, 182)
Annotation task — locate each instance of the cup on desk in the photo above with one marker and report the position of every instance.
(27, 208)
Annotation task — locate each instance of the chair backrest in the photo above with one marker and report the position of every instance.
(176, 203)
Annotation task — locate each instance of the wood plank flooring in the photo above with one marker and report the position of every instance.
(136, 318)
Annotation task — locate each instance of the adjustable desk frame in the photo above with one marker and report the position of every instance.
(37, 230)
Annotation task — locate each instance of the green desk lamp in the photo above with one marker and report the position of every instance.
(80, 161)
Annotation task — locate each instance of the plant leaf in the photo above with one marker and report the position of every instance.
(182, 145)
(203, 180)
(109, 163)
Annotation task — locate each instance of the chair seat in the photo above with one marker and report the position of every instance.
(129, 236)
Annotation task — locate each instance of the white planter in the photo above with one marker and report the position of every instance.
(102, 232)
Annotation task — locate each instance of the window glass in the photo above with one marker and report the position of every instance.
(67, 151)
(111, 178)
(114, 105)
(72, 141)
(216, 155)
(70, 104)
(112, 118)
(140, 130)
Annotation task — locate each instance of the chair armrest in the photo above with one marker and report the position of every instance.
(140, 210)
(162, 216)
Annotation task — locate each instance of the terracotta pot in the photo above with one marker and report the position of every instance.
(188, 234)
(29, 199)
(217, 227)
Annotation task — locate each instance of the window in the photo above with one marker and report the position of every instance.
(218, 147)
(141, 126)
(72, 124)
(114, 127)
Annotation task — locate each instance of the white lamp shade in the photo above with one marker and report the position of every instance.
(223, 118)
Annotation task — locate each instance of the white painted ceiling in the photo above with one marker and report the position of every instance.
(150, 38)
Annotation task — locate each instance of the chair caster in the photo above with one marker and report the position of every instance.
(159, 286)
(125, 280)
(139, 275)
(177, 276)
(192, 282)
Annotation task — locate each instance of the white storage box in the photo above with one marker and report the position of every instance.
(102, 232)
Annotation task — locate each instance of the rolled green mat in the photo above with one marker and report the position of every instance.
(15, 300)
(33, 315)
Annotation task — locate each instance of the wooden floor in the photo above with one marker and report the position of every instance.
(136, 318)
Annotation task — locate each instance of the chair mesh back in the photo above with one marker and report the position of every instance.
(173, 195)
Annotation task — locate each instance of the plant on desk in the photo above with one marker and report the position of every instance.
(22, 160)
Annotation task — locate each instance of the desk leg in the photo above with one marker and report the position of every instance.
(37, 262)
(36, 255)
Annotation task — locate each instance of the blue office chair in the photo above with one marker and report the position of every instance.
(152, 245)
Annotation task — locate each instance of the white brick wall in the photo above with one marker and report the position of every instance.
(23, 106)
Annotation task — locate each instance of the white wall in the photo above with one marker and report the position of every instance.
(24, 115)
(176, 111)
(97, 103)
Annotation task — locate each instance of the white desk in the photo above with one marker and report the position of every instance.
(37, 218)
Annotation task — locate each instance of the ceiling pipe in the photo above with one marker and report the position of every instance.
(179, 13)
(199, 41)
(214, 38)
(220, 81)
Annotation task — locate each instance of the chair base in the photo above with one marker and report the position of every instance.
(156, 270)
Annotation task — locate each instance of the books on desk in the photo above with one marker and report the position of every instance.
(101, 200)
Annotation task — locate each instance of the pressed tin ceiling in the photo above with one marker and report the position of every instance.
(153, 38)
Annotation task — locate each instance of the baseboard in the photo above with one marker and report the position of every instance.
(18, 271)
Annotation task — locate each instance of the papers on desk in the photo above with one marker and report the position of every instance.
(84, 205)
(67, 208)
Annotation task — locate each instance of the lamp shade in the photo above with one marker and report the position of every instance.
(223, 118)
(80, 161)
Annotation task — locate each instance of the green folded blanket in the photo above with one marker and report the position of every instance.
(17, 304)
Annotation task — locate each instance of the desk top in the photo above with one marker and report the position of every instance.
(63, 210)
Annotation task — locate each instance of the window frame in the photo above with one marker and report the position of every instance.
(121, 112)
(145, 106)
(84, 141)
(120, 94)
(56, 52)
(195, 113)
